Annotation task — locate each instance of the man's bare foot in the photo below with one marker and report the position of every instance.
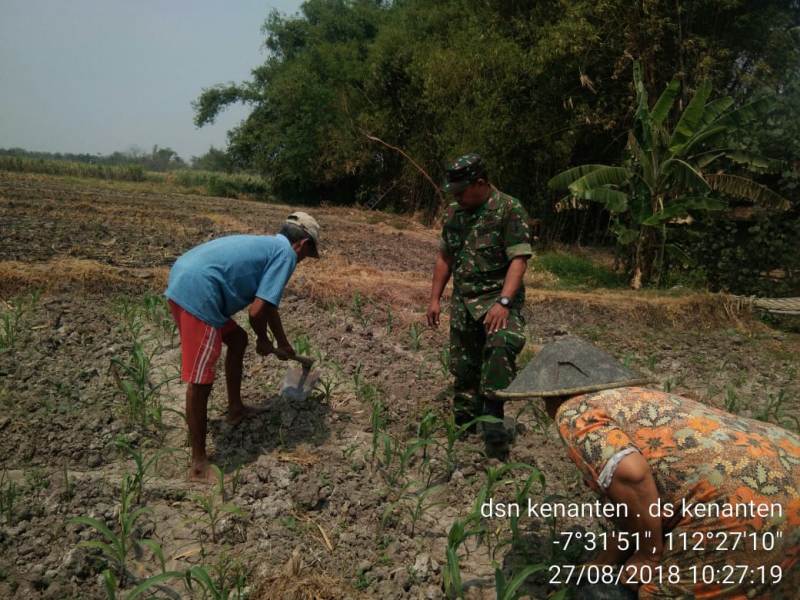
(234, 418)
(201, 471)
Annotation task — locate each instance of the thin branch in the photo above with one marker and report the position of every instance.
(411, 160)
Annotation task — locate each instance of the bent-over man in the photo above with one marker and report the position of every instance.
(207, 286)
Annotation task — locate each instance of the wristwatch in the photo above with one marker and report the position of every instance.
(504, 301)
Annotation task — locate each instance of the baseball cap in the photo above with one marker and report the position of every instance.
(463, 171)
(307, 223)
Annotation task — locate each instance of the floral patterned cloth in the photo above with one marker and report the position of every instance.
(699, 454)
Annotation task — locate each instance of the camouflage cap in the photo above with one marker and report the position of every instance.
(570, 366)
(463, 171)
(309, 224)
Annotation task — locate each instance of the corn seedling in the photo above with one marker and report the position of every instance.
(415, 335)
(12, 317)
(117, 546)
(69, 486)
(454, 432)
(521, 494)
(775, 410)
(419, 505)
(9, 492)
(391, 459)
(377, 421)
(36, 481)
(157, 311)
(227, 583)
(131, 317)
(364, 390)
(451, 572)
(144, 464)
(143, 397)
(444, 361)
(236, 479)
(302, 345)
(507, 590)
(389, 321)
(732, 402)
(328, 386)
(357, 308)
(213, 504)
(111, 585)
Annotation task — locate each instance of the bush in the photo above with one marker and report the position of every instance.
(757, 257)
(72, 169)
(576, 271)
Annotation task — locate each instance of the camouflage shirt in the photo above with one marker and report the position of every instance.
(482, 244)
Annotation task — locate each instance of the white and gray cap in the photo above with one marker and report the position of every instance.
(307, 223)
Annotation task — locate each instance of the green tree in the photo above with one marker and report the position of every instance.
(669, 173)
(533, 85)
(213, 160)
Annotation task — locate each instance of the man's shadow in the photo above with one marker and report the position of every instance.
(281, 425)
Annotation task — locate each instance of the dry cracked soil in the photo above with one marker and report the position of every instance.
(323, 498)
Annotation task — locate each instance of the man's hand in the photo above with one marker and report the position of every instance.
(496, 318)
(264, 347)
(434, 310)
(285, 352)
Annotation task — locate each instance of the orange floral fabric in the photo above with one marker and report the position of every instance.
(699, 454)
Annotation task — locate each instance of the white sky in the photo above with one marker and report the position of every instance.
(104, 75)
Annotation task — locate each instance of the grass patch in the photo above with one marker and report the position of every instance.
(228, 185)
(578, 272)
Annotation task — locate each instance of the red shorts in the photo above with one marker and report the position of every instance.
(201, 345)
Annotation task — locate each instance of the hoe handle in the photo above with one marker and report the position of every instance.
(306, 361)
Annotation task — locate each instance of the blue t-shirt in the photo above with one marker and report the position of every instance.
(219, 278)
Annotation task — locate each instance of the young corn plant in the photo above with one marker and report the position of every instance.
(389, 321)
(213, 504)
(131, 316)
(156, 310)
(9, 493)
(135, 379)
(521, 495)
(391, 459)
(302, 345)
(454, 432)
(415, 336)
(224, 586)
(451, 572)
(12, 319)
(111, 585)
(117, 546)
(507, 590)
(328, 386)
(444, 361)
(419, 504)
(69, 485)
(145, 464)
(357, 308)
(774, 410)
(378, 423)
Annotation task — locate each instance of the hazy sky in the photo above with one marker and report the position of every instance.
(103, 75)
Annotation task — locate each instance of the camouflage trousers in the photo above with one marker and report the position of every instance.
(481, 363)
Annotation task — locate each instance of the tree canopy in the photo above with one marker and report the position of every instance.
(535, 86)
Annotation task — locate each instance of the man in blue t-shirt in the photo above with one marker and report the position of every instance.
(207, 286)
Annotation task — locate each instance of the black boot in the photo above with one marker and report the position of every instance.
(496, 436)
(466, 407)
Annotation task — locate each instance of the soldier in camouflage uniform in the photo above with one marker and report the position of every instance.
(485, 245)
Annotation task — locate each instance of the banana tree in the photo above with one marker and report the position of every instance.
(667, 174)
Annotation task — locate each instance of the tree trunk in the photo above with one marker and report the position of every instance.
(644, 257)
